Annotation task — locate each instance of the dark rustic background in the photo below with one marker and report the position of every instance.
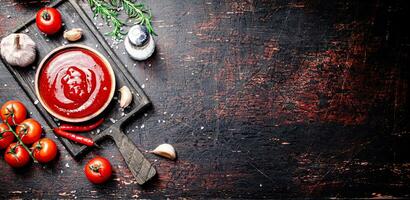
(261, 99)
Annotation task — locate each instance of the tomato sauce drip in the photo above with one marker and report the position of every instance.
(75, 83)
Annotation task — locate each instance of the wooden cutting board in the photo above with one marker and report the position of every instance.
(74, 17)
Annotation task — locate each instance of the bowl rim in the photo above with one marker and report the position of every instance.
(81, 119)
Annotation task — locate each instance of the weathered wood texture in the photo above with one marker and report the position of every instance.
(115, 117)
(73, 19)
(261, 99)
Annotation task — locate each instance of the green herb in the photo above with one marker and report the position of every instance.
(138, 11)
(109, 12)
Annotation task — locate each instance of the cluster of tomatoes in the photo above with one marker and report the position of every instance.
(27, 132)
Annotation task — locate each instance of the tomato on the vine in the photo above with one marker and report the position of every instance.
(14, 112)
(6, 137)
(44, 150)
(29, 131)
(48, 20)
(16, 156)
(98, 170)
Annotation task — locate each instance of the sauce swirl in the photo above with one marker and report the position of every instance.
(75, 83)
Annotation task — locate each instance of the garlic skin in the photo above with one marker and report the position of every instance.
(165, 150)
(126, 96)
(18, 49)
(73, 34)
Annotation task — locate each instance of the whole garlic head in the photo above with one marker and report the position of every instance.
(18, 49)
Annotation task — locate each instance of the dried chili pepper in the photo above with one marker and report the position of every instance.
(85, 128)
(74, 137)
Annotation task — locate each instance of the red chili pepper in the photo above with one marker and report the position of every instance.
(74, 137)
(85, 128)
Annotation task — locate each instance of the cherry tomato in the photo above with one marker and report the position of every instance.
(44, 150)
(29, 131)
(48, 20)
(16, 156)
(98, 170)
(6, 137)
(14, 112)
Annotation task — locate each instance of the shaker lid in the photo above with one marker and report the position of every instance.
(138, 35)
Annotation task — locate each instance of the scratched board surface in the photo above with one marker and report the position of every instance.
(261, 99)
(72, 18)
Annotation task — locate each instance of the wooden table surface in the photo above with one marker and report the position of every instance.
(261, 99)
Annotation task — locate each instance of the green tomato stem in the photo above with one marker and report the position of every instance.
(45, 15)
(21, 142)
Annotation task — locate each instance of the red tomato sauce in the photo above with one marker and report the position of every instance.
(75, 83)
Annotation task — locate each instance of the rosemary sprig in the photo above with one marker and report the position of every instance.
(109, 14)
(138, 11)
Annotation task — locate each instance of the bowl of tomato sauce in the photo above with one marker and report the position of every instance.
(75, 83)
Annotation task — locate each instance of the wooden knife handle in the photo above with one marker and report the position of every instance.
(140, 167)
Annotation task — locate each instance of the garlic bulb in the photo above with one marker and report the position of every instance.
(18, 49)
(165, 150)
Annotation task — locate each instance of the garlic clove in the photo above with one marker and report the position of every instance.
(165, 150)
(126, 96)
(73, 34)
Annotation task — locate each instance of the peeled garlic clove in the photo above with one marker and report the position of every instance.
(73, 34)
(165, 150)
(126, 97)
